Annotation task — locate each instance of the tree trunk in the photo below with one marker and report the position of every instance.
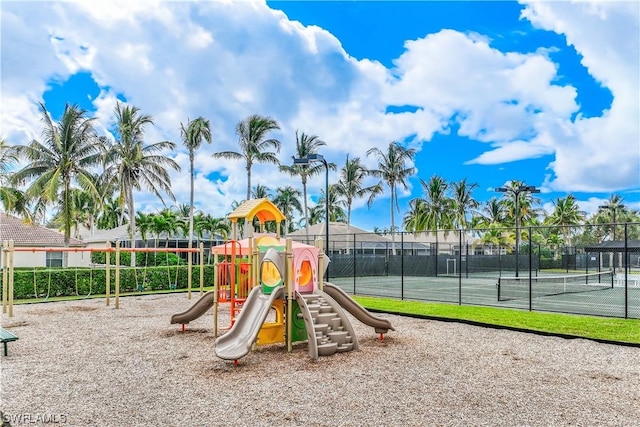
(349, 225)
(67, 222)
(393, 235)
(190, 245)
(132, 226)
(248, 181)
(306, 210)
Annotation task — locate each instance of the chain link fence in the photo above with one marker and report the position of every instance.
(579, 269)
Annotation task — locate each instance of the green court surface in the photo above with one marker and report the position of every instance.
(611, 301)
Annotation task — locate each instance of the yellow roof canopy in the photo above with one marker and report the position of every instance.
(263, 209)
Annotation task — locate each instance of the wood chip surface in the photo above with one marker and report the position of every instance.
(82, 363)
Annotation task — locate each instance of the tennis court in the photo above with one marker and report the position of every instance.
(587, 294)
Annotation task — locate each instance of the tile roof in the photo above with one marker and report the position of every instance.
(338, 232)
(341, 237)
(335, 228)
(22, 234)
(122, 233)
(119, 233)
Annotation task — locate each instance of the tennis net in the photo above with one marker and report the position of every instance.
(510, 288)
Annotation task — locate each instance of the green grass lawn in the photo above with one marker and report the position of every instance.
(601, 328)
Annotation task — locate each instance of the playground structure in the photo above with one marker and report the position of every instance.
(8, 272)
(266, 273)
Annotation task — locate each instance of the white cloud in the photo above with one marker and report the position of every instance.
(180, 60)
(496, 97)
(72, 53)
(17, 118)
(607, 35)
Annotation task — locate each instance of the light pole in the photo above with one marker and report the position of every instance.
(613, 209)
(516, 193)
(305, 161)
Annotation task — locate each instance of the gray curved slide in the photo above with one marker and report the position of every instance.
(237, 342)
(196, 310)
(381, 326)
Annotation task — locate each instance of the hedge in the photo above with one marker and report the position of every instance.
(52, 282)
(143, 259)
(550, 263)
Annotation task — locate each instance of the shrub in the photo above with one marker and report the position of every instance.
(143, 259)
(550, 263)
(57, 282)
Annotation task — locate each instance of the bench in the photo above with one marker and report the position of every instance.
(5, 337)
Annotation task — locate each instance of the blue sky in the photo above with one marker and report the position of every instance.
(545, 93)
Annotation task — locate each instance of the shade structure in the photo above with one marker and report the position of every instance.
(614, 246)
(263, 209)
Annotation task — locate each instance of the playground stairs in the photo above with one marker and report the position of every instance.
(333, 332)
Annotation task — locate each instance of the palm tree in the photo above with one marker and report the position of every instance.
(133, 165)
(554, 240)
(109, 216)
(104, 202)
(260, 192)
(433, 212)
(183, 226)
(8, 158)
(214, 226)
(86, 206)
(492, 212)
(193, 135)
(525, 214)
(68, 151)
(566, 214)
(83, 208)
(199, 225)
(316, 214)
(166, 221)
(15, 201)
(97, 204)
(252, 132)
(336, 213)
(36, 211)
(305, 145)
(287, 199)
(351, 184)
(413, 218)
(240, 225)
(145, 223)
(218, 226)
(464, 202)
(392, 171)
(610, 213)
(438, 208)
(495, 235)
(181, 210)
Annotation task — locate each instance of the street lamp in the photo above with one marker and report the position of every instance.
(613, 209)
(516, 193)
(305, 161)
